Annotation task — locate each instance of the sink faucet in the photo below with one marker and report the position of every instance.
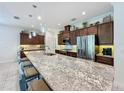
(48, 49)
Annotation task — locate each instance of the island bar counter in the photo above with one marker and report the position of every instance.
(64, 73)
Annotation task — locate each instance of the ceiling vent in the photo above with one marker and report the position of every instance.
(30, 15)
(34, 6)
(16, 17)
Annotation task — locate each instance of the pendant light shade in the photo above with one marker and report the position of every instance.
(33, 34)
(30, 35)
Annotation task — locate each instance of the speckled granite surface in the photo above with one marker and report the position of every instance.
(72, 74)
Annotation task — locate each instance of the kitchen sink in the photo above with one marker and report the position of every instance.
(50, 54)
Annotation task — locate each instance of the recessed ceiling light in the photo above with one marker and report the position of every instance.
(83, 13)
(39, 17)
(59, 24)
(32, 26)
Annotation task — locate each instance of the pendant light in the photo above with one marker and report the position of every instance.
(30, 35)
(43, 29)
(34, 34)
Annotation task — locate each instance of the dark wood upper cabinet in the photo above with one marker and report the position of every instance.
(77, 32)
(105, 33)
(66, 34)
(92, 30)
(34, 40)
(43, 40)
(60, 39)
(40, 39)
(83, 32)
(25, 40)
(63, 35)
(73, 37)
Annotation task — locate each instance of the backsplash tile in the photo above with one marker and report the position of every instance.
(30, 47)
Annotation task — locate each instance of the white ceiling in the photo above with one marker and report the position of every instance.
(52, 13)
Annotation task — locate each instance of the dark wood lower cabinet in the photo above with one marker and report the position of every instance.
(105, 60)
(56, 51)
(72, 54)
(100, 59)
(25, 40)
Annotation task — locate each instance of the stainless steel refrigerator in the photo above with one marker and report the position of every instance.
(86, 47)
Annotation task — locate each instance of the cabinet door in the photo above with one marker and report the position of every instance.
(21, 39)
(34, 40)
(83, 32)
(43, 40)
(24, 39)
(105, 60)
(73, 37)
(77, 33)
(105, 33)
(92, 30)
(59, 39)
(40, 39)
(66, 34)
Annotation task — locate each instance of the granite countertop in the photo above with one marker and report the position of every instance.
(66, 50)
(64, 73)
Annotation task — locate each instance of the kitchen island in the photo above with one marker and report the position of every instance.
(64, 73)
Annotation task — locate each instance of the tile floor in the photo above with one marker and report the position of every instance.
(9, 77)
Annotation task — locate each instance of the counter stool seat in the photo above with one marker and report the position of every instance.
(30, 72)
(26, 63)
(38, 85)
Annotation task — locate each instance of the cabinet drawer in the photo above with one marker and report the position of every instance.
(56, 51)
(72, 54)
(105, 60)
